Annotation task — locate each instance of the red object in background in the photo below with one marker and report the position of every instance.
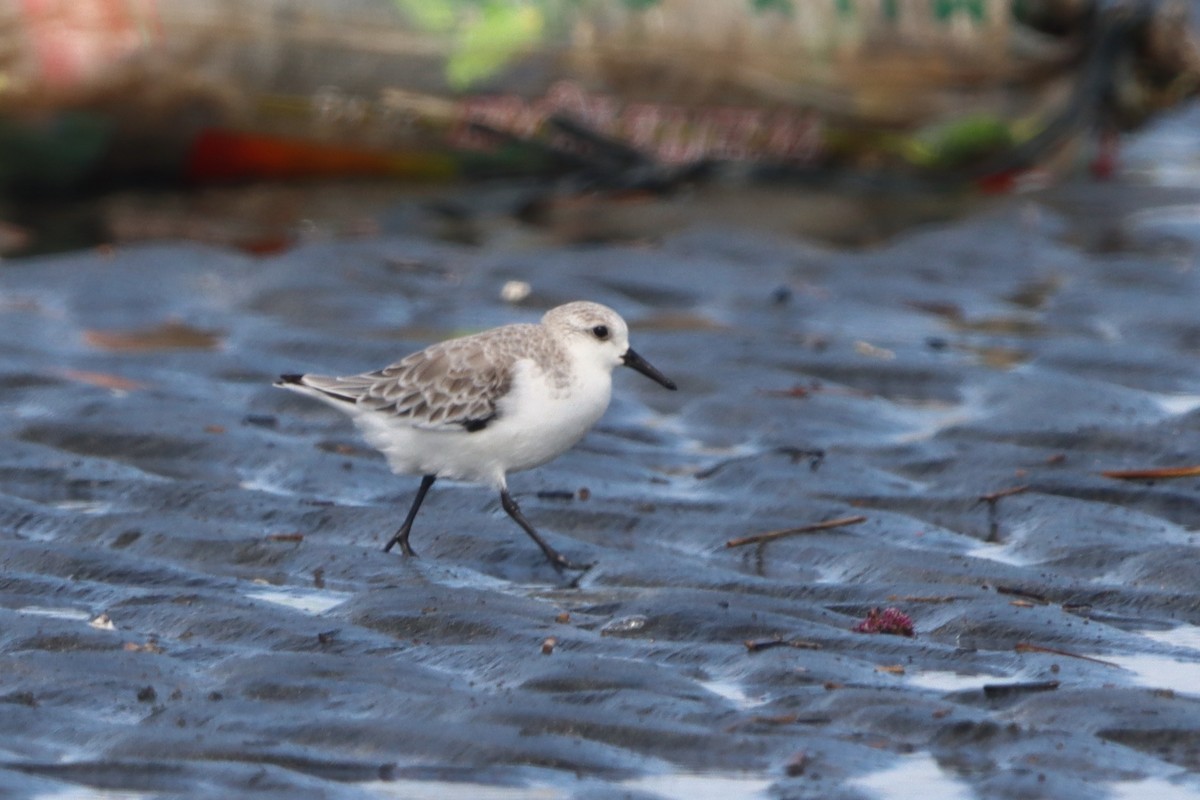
(221, 156)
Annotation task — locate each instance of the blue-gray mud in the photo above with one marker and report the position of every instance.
(193, 601)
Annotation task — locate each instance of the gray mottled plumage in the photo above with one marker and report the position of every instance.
(456, 383)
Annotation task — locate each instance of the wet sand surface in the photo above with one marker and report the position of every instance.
(194, 602)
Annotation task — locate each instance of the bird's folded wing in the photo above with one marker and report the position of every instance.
(439, 388)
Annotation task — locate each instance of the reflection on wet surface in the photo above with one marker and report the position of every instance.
(1162, 672)
(1177, 636)
(699, 786)
(949, 681)
(54, 613)
(309, 602)
(915, 777)
(1159, 789)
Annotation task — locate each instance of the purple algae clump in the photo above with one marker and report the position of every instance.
(890, 620)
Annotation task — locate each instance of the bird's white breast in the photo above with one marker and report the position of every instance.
(539, 420)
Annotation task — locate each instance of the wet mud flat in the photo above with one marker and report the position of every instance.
(193, 602)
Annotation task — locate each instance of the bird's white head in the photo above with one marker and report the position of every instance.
(598, 333)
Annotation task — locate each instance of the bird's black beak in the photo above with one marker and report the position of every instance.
(632, 359)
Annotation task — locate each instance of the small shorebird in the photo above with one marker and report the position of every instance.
(478, 407)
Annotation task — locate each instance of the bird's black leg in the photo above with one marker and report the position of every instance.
(405, 529)
(559, 561)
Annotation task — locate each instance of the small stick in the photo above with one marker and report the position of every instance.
(1003, 689)
(758, 645)
(1019, 592)
(992, 497)
(817, 526)
(916, 598)
(1152, 474)
(1026, 647)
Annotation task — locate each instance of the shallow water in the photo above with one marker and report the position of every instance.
(966, 385)
(914, 777)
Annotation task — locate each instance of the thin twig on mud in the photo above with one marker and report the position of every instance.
(758, 645)
(1156, 473)
(1019, 592)
(917, 598)
(817, 526)
(1026, 647)
(992, 497)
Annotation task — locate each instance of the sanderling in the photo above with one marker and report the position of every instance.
(481, 406)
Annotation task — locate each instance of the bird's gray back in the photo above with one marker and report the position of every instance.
(457, 383)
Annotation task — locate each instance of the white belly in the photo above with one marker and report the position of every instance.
(535, 424)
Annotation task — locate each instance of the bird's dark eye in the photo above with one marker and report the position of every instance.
(600, 331)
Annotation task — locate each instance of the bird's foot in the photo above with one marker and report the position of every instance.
(405, 548)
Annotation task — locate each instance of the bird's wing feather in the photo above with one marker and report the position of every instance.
(454, 385)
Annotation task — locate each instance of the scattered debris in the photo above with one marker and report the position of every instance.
(758, 645)
(103, 623)
(548, 645)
